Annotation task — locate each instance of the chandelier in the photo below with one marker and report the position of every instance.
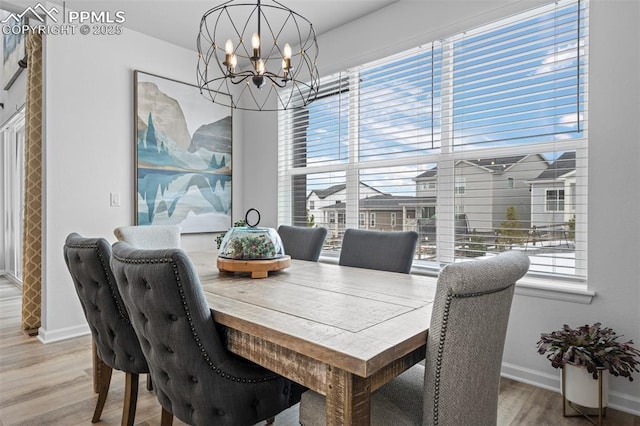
(247, 50)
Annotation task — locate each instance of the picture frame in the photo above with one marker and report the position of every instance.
(14, 53)
(183, 156)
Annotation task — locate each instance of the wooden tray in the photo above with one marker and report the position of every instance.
(258, 268)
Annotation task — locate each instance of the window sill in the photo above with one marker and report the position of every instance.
(555, 289)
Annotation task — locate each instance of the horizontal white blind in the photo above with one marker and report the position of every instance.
(522, 81)
(477, 142)
(318, 132)
(397, 105)
(528, 202)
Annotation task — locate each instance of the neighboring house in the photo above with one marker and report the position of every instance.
(485, 188)
(382, 212)
(319, 199)
(553, 193)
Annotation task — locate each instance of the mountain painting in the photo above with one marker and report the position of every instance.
(183, 156)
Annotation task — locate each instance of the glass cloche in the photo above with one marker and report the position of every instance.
(251, 242)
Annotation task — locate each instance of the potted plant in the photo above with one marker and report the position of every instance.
(589, 349)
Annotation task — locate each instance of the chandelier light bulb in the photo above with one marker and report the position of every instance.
(255, 41)
(287, 51)
(228, 47)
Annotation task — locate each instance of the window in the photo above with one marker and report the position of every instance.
(393, 219)
(555, 200)
(478, 127)
(460, 185)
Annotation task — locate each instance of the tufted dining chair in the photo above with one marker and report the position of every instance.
(150, 236)
(196, 379)
(117, 346)
(381, 250)
(459, 384)
(302, 243)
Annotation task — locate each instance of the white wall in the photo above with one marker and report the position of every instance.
(614, 159)
(89, 151)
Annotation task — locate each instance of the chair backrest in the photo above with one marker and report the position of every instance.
(150, 236)
(116, 342)
(194, 376)
(302, 242)
(466, 339)
(386, 251)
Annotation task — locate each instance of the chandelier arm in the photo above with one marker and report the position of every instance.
(274, 79)
(243, 77)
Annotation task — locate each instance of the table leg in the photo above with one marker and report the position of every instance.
(348, 398)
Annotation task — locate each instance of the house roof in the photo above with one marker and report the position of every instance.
(429, 173)
(563, 165)
(385, 202)
(324, 193)
(498, 164)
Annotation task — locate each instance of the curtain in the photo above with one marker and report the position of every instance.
(32, 236)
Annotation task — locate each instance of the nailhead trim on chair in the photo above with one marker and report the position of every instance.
(443, 335)
(196, 338)
(106, 274)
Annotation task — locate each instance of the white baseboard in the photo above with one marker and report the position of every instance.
(618, 401)
(66, 333)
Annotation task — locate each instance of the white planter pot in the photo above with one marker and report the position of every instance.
(581, 388)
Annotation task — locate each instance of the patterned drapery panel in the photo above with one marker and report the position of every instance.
(32, 237)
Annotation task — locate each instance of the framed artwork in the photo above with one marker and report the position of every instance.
(182, 156)
(13, 51)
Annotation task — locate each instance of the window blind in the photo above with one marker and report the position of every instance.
(478, 142)
(520, 81)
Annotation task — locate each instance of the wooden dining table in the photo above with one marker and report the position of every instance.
(340, 331)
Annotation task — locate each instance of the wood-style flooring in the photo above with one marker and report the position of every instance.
(52, 385)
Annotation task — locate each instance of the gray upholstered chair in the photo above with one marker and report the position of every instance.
(117, 346)
(150, 236)
(302, 242)
(386, 251)
(195, 378)
(459, 384)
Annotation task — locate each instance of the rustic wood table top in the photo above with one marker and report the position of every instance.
(340, 331)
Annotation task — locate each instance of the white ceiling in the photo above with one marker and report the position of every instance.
(178, 21)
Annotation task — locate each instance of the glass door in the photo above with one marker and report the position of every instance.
(12, 135)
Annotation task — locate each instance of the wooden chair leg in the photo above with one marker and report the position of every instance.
(166, 419)
(96, 363)
(103, 390)
(130, 399)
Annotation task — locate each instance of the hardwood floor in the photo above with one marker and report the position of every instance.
(52, 385)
